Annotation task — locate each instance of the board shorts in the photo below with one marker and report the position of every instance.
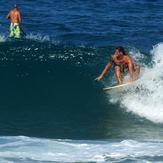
(123, 69)
(15, 31)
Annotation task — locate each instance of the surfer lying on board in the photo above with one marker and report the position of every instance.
(123, 63)
(15, 18)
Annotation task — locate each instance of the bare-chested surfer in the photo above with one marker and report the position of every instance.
(123, 62)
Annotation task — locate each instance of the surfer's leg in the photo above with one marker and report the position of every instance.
(137, 70)
(118, 74)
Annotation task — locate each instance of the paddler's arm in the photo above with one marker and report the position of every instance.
(105, 70)
(19, 17)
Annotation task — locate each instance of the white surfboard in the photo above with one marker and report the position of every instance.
(116, 86)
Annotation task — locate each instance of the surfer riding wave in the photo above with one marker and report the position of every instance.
(123, 63)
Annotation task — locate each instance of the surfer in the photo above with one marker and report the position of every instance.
(15, 18)
(123, 63)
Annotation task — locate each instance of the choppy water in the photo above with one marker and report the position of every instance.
(52, 110)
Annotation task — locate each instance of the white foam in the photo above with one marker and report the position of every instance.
(38, 37)
(45, 150)
(145, 98)
(2, 38)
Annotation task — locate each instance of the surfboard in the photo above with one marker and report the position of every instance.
(116, 86)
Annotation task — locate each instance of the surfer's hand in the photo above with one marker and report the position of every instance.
(98, 78)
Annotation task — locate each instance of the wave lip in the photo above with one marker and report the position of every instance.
(22, 149)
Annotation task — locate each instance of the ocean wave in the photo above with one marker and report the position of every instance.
(22, 149)
(142, 99)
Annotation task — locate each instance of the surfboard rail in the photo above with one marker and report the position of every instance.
(116, 86)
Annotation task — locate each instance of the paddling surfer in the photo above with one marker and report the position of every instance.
(15, 17)
(123, 63)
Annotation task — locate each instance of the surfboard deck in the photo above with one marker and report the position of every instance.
(116, 86)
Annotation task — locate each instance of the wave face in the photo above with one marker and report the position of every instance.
(46, 87)
(24, 149)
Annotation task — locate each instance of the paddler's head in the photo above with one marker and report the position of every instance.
(15, 7)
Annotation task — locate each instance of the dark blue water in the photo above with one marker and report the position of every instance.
(92, 23)
(48, 91)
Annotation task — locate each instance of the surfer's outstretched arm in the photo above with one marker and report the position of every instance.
(104, 71)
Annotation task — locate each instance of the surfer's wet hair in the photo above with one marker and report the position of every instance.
(121, 49)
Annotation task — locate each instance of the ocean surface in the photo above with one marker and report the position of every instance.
(52, 109)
